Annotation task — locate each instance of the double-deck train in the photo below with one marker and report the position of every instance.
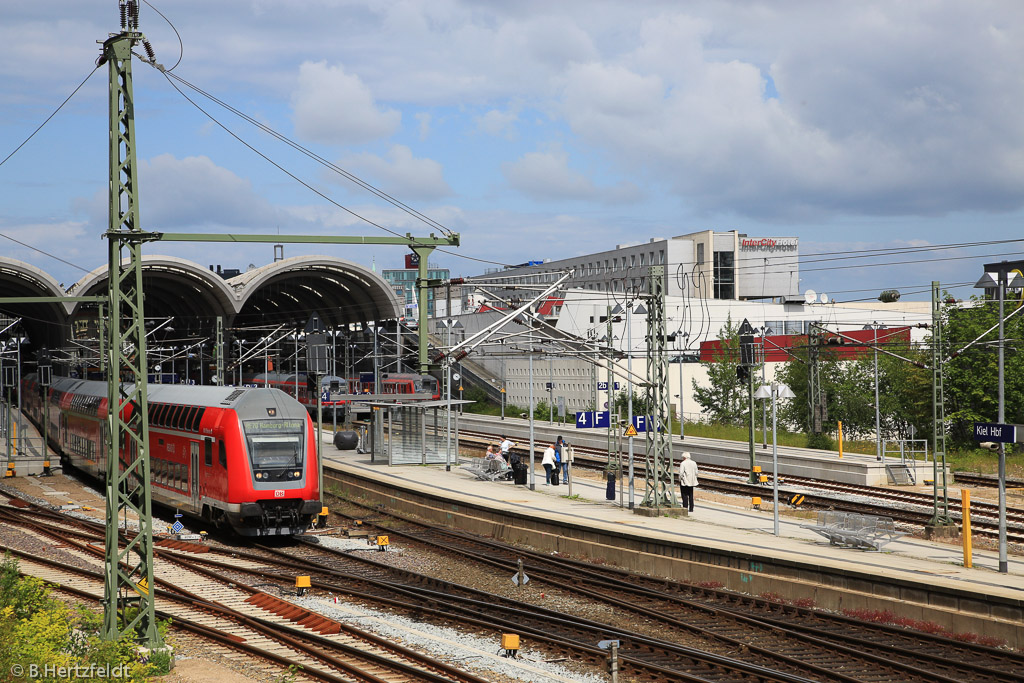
(243, 458)
(337, 391)
(334, 390)
(397, 383)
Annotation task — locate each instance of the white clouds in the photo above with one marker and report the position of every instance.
(547, 176)
(334, 107)
(424, 119)
(401, 174)
(194, 191)
(496, 122)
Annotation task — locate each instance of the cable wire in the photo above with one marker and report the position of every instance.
(40, 127)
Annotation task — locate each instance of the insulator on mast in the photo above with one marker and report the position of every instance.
(124, 16)
(149, 50)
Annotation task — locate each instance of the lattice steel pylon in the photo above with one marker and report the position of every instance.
(661, 490)
(815, 398)
(128, 573)
(940, 515)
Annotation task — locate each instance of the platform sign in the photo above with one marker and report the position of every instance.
(993, 431)
(326, 396)
(644, 423)
(603, 386)
(592, 420)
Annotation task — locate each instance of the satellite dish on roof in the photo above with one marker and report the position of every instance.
(810, 296)
(824, 298)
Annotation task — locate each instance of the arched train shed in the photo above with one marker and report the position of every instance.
(286, 292)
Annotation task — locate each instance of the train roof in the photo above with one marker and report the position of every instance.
(209, 396)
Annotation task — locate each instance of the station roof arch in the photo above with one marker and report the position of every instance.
(291, 290)
(44, 324)
(174, 287)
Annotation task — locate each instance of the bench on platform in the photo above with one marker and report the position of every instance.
(488, 470)
(854, 530)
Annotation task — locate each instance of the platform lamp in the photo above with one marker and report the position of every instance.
(1000, 276)
(773, 392)
(878, 428)
(449, 324)
(44, 368)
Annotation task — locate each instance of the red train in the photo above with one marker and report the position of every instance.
(240, 458)
(397, 383)
(334, 389)
(339, 391)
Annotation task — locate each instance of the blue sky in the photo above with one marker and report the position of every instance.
(538, 129)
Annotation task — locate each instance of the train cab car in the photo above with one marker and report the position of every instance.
(243, 458)
(334, 391)
(404, 383)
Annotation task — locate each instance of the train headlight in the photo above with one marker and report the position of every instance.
(259, 475)
(298, 474)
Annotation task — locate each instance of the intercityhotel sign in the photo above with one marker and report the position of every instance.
(768, 243)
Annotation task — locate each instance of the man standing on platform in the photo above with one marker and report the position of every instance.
(687, 480)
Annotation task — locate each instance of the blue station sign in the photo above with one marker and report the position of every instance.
(993, 431)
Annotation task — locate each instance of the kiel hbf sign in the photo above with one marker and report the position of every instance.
(993, 431)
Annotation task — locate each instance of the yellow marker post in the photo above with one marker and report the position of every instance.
(840, 439)
(965, 506)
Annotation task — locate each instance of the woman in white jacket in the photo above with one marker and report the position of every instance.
(687, 480)
(549, 463)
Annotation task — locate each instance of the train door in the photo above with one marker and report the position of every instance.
(194, 476)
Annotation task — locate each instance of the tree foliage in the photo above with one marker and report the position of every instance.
(848, 387)
(971, 379)
(724, 399)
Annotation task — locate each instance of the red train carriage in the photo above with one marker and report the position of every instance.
(398, 383)
(236, 457)
(334, 389)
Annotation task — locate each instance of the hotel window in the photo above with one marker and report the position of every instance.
(725, 275)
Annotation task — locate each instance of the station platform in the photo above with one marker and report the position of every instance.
(720, 542)
(850, 468)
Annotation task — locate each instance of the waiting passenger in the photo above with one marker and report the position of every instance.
(549, 465)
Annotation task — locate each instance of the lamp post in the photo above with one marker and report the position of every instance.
(629, 310)
(878, 420)
(681, 338)
(449, 324)
(774, 391)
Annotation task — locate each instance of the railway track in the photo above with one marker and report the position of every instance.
(238, 616)
(753, 639)
(984, 516)
(985, 480)
(839, 645)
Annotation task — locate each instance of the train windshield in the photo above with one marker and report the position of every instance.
(275, 444)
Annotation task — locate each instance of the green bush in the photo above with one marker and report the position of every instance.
(821, 441)
(47, 640)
